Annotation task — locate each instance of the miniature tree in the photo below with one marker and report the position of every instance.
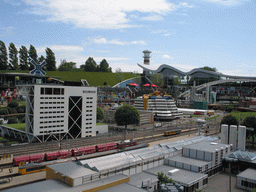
(100, 114)
(229, 120)
(127, 115)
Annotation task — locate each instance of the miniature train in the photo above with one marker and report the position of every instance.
(37, 167)
(172, 132)
(38, 158)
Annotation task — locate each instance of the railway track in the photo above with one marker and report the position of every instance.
(112, 137)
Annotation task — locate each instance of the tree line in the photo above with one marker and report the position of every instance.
(19, 60)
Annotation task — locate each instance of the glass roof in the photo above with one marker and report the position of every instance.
(243, 155)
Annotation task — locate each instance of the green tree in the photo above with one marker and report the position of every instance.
(13, 57)
(157, 79)
(100, 114)
(104, 66)
(66, 66)
(163, 179)
(229, 120)
(90, 65)
(40, 60)
(209, 68)
(3, 56)
(175, 80)
(250, 122)
(127, 115)
(33, 55)
(23, 54)
(50, 60)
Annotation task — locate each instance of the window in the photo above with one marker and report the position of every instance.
(48, 91)
(42, 91)
(56, 91)
(62, 92)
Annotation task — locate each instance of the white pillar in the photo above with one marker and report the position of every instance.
(233, 136)
(224, 134)
(241, 138)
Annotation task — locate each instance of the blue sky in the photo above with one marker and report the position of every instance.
(184, 34)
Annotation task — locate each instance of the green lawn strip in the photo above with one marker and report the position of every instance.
(20, 126)
(211, 118)
(99, 124)
(243, 115)
(3, 139)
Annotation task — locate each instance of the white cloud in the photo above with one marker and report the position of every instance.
(60, 48)
(165, 56)
(226, 2)
(159, 31)
(153, 18)
(100, 14)
(117, 42)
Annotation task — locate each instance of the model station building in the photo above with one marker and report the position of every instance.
(61, 111)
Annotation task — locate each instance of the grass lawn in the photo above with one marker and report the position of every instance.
(20, 126)
(211, 118)
(100, 124)
(3, 139)
(243, 115)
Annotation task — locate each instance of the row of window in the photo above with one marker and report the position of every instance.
(51, 102)
(248, 184)
(46, 117)
(51, 126)
(88, 110)
(88, 101)
(88, 123)
(51, 97)
(89, 98)
(58, 107)
(88, 114)
(88, 131)
(51, 131)
(52, 91)
(88, 127)
(58, 121)
(88, 119)
(49, 112)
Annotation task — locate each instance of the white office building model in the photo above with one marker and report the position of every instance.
(61, 110)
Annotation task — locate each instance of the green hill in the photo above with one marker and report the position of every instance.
(93, 78)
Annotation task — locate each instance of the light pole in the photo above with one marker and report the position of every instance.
(230, 160)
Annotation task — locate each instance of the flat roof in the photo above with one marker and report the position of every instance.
(123, 188)
(188, 161)
(137, 179)
(71, 169)
(248, 174)
(206, 146)
(54, 185)
(182, 176)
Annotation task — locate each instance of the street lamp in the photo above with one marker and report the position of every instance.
(230, 160)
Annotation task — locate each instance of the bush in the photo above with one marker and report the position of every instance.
(127, 115)
(20, 110)
(12, 120)
(14, 110)
(229, 120)
(13, 104)
(4, 111)
(100, 114)
(229, 109)
(9, 110)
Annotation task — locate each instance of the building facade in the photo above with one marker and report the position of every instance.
(65, 111)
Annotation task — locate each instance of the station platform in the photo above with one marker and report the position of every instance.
(23, 179)
(5, 161)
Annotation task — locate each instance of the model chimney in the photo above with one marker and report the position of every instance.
(146, 57)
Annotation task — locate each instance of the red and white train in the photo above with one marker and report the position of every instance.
(38, 158)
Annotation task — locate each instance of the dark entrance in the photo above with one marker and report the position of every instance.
(75, 116)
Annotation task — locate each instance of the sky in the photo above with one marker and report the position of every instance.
(185, 34)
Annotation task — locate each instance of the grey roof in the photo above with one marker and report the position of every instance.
(137, 179)
(123, 188)
(183, 177)
(189, 161)
(71, 169)
(243, 155)
(54, 185)
(248, 174)
(206, 146)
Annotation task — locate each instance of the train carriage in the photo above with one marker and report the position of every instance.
(106, 147)
(172, 132)
(83, 151)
